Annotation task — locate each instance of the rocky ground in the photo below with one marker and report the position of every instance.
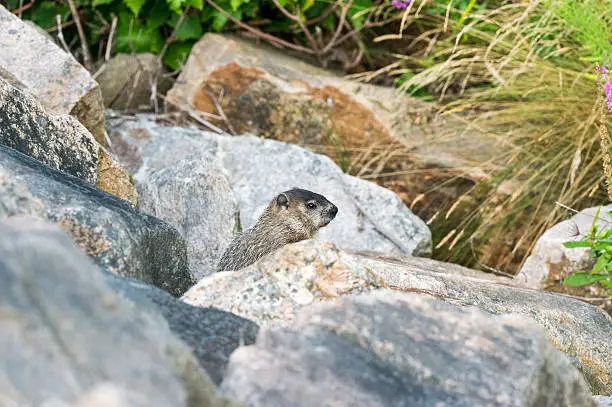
(111, 224)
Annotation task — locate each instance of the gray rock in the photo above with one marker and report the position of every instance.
(119, 238)
(398, 349)
(211, 334)
(60, 141)
(603, 401)
(369, 218)
(127, 80)
(551, 258)
(273, 290)
(197, 200)
(16, 200)
(48, 73)
(67, 338)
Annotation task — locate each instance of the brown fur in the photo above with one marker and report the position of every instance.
(287, 219)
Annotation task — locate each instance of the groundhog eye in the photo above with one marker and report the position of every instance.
(311, 205)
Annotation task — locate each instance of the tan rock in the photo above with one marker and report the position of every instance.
(113, 179)
(268, 93)
(50, 74)
(127, 81)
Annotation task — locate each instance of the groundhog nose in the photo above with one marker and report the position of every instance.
(333, 211)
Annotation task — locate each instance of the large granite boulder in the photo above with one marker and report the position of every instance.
(67, 339)
(212, 334)
(58, 141)
(266, 92)
(403, 350)
(33, 63)
(119, 238)
(16, 200)
(273, 290)
(197, 199)
(183, 174)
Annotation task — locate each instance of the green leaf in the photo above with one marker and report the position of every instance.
(189, 29)
(179, 5)
(97, 3)
(207, 14)
(141, 38)
(601, 264)
(235, 4)
(176, 6)
(177, 54)
(199, 4)
(282, 2)
(158, 15)
(602, 246)
(219, 21)
(250, 9)
(358, 6)
(135, 5)
(582, 279)
(306, 5)
(573, 245)
(329, 22)
(44, 13)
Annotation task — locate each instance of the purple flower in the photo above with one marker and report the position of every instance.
(608, 92)
(607, 86)
(603, 71)
(400, 4)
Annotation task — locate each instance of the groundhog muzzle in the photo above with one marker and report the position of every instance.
(292, 216)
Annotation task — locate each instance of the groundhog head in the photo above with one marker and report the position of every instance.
(305, 210)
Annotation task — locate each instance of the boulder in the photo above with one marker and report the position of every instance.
(40, 67)
(127, 80)
(197, 199)
(273, 290)
(163, 160)
(550, 259)
(67, 339)
(58, 141)
(120, 239)
(266, 92)
(603, 401)
(16, 200)
(399, 349)
(212, 334)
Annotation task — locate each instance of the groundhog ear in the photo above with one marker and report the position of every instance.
(282, 201)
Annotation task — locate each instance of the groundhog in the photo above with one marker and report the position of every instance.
(293, 216)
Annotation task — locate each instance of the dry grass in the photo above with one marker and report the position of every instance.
(519, 73)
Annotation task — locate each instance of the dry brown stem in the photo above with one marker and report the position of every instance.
(87, 60)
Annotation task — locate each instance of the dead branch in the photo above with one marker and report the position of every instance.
(217, 103)
(60, 35)
(109, 45)
(87, 60)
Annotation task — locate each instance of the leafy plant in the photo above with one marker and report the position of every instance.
(600, 244)
(171, 27)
